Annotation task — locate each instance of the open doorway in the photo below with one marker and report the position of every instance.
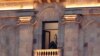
(49, 34)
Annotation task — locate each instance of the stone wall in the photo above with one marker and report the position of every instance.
(74, 39)
(9, 37)
(90, 35)
(15, 39)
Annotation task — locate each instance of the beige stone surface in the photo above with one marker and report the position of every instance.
(71, 39)
(17, 40)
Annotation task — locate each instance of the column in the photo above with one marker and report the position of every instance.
(26, 40)
(71, 39)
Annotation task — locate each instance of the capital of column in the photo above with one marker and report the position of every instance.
(24, 20)
(67, 22)
(71, 19)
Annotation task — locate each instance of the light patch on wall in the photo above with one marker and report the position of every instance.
(70, 18)
(25, 20)
(29, 4)
(16, 5)
(81, 3)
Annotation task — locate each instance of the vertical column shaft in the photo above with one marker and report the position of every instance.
(71, 39)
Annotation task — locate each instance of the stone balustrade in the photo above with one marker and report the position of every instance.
(47, 52)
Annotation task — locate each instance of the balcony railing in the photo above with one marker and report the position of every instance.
(47, 52)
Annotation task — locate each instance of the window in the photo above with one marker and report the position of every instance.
(50, 33)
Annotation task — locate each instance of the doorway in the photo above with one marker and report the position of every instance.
(49, 34)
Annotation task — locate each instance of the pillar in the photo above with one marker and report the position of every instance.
(71, 33)
(26, 40)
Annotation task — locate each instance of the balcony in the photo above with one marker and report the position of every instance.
(47, 52)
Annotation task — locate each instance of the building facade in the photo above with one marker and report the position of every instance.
(75, 31)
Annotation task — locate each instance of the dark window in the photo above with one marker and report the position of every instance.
(49, 34)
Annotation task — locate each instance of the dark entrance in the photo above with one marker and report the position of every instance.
(49, 34)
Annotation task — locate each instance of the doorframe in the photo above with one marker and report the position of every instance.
(43, 29)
